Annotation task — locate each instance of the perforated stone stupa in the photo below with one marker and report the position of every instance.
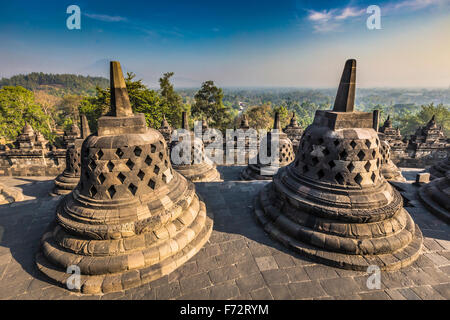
(332, 203)
(263, 171)
(388, 169)
(166, 130)
(243, 144)
(132, 218)
(294, 132)
(68, 180)
(198, 168)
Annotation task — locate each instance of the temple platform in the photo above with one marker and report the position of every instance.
(240, 261)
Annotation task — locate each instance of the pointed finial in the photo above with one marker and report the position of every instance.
(120, 102)
(164, 123)
(85, 131)
(184, 121)
(345, 97)
(276, 122)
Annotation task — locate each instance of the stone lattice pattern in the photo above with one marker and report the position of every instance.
(199, 168)
(260, 171)
(388, 169)
(435, 196)
(294, 132)
(132, 218)
(332, 203)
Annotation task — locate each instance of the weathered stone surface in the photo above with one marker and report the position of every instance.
(68, 180)
(435, 196)
(262, 171)
(332, 203)
(199, 168)
(131, 219)
(388, 168)
(294, 132)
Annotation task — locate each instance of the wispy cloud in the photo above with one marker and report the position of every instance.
(105, 17)
(333, 19)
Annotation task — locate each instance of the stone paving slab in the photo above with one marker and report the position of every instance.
(240, 261)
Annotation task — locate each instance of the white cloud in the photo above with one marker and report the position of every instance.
(105, 17)
(350, 12)
(320, 15)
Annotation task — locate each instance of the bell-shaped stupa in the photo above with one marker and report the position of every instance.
(332, 203)
(188, 156)
(294, 132)
(68, 180)
(166, 130)
(282, 145)
(388, 169)
(132, 218)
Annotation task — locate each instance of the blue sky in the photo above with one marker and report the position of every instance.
(235, 43)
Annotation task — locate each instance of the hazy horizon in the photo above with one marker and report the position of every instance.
(251, 44)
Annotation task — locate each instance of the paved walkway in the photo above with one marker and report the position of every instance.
(239, 262)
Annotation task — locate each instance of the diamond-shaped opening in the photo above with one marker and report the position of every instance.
(100, 154)
(343, 155)
(101, 178)
(121, 177)
(119, 153)
(164, 178)
(320, 174)
(367, 166)
(373, 177)
(130, 164)
(374, 153)
(320, 141)
(152, 148)
(92, 165)
(110, 166)
(331, 164)
(166, 163)
(156, 170)
(336, 142)
(358, 178)
(148, 160)
(132, 189)
(141, 175)
(305, 168)
(339, 178)
(314, 160)
(92, 191)
(361, 155)
(325, 152)
(137, 151)
(353, 144)
(350, 167)
(111, 191)
(378, 162)
(368, 144)
(377, 141)
(161, 156)
(152, 184)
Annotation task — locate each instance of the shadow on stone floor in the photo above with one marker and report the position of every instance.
(23, 224)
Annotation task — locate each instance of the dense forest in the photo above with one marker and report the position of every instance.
(51, 102)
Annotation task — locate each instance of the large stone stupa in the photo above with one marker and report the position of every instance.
(262, 171)
(132, 218)
(198, 168)
(68, 180)
(332, 203)
(294, 132)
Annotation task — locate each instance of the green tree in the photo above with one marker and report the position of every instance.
(209, 105)
(18, 105)
(171, 102)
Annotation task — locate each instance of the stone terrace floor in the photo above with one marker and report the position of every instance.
(239, 262)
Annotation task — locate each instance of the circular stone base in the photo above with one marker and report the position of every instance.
(428, 195)
(204, 173)
(64, 185)
(113, 282)
(387, 261)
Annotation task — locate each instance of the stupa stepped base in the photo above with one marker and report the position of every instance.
(64, 184)
(199, 172)
(435, 196)
(356, 251)
(140, 265)
(391, 173)
(438, 170)
(253, 172)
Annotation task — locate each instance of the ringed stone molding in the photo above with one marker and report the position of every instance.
(132, 218)
(332, 204)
